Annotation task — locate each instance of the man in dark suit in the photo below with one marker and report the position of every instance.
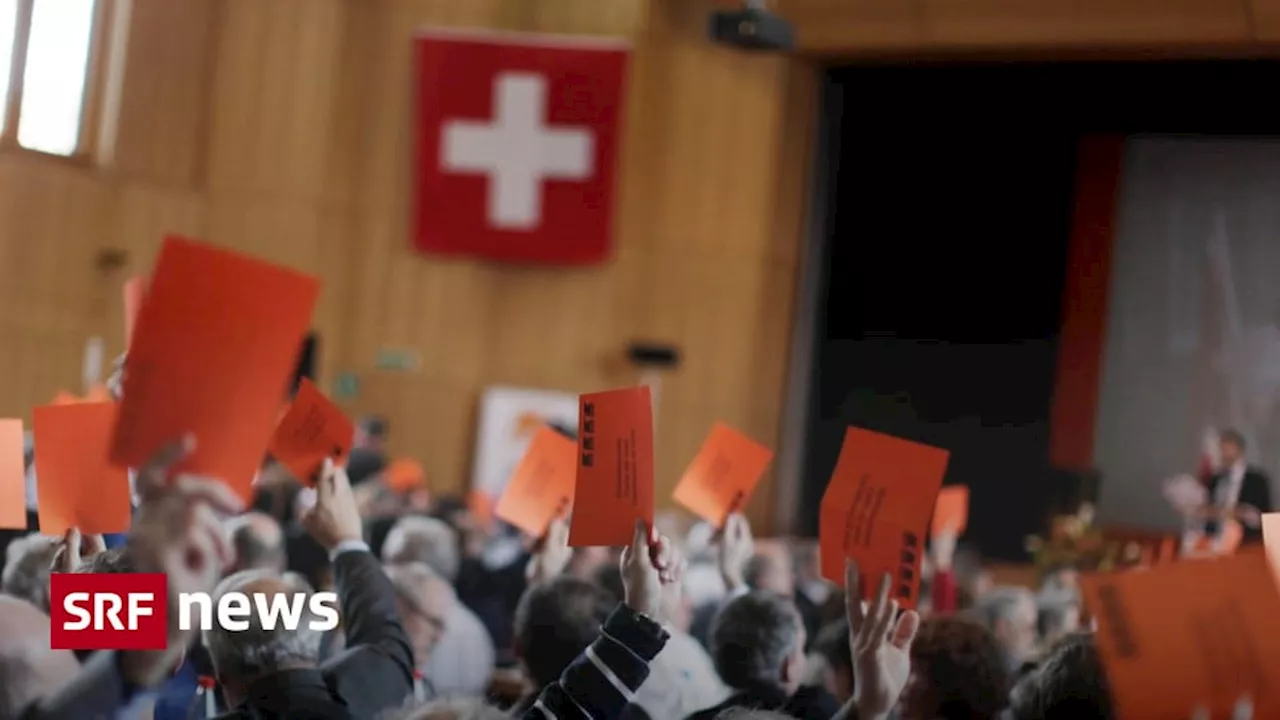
(1238, 490)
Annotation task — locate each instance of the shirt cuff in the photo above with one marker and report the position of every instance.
(348, 546)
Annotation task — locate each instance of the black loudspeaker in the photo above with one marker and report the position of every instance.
(308, 356)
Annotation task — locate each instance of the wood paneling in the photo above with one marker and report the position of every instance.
(698, 261)
(283, 128)
(871, 27)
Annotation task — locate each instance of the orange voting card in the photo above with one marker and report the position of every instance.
(614, 485)
(1189, 634)
(135, 289)
(65, 398)
(13, 477)
(541, 488)
(951, 510)
(76, 485)
(722, 477)
(1271, 537)
(212, 355)
(876, 510)
(312, 429)
(404, 475)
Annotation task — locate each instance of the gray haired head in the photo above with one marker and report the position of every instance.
(1001, 603)
(240, 656)
(752, 637)
(26, 569)
(456, 709)
(426, 540)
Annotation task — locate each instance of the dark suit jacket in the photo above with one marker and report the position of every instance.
(373, 674)
(1255, 490)
(808, 703)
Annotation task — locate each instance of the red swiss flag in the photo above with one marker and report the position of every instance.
(518, 142)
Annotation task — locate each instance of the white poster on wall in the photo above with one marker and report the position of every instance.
(509, 417)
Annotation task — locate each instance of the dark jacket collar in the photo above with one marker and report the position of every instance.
(286, 691)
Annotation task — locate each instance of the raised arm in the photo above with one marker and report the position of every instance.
(178, 532)
(378, 649)
(602, 681)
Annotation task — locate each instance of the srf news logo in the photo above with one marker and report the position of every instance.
(110, 611)
(130, 611)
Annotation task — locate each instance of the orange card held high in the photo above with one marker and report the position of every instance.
(614, 486)
(1187, 635)
(13, 476)
(1271, 538)
(312, 429)
(951, 510)
(541, 488)
(212, 353)
(722, 477)
(876, 510)
(76, 485)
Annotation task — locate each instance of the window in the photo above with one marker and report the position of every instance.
(47, 52)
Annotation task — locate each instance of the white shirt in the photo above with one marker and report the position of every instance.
(682, 680)
(1228, 492)
(462, 661)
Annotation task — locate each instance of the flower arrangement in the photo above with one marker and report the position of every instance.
(1075, 541)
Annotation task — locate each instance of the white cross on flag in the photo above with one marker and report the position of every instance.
(518, 138)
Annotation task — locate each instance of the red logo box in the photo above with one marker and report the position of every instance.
(109, 611)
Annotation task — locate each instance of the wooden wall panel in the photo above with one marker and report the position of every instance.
(162, 100)
(874, 27)
(1266, 20)
(51, 297)
(284, 128)
(696, 261)
(1020, 23)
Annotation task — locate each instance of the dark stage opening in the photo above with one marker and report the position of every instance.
(948, 216)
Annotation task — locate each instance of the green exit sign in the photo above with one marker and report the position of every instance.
(397, 359)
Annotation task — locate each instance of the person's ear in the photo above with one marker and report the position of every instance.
(793, 667)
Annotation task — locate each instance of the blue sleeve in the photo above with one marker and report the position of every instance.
(175, 697)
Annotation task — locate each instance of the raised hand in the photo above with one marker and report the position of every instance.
(736, 548)
(178, 531)
(649, 563)
(75, 549)
(1248, 515)
(881, 646)
(335, 516)
(553, 553)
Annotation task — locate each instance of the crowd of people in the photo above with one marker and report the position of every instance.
(444, 617)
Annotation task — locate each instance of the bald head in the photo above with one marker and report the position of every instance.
(258, 541)
(29, 670)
